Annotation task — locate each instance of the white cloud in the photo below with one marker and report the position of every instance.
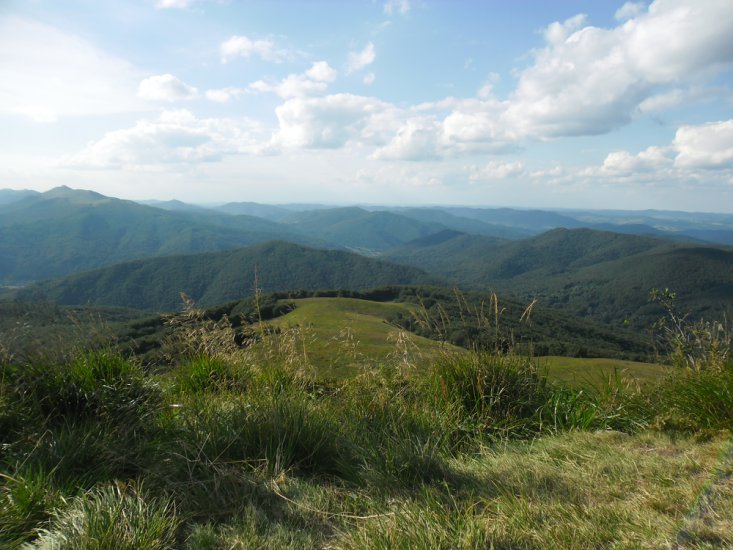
(629, 10)
(359, 60)
(590, 80)
(321, 72)
(332, 121)
(497, 171)
(48, 73)
(369, 79)
(700, 154)
(621, 163)
(475, 125)
(396, 6)
(294, 85)
(557, 33)
(223, 95)
(312, 81)
(585, 81)
(709, 146)
(174, 137)
(165, 87)
(664, 101)
(241, 46)
(418, 139)
(179, 4)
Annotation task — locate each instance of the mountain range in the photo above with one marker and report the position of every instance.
(89, 248)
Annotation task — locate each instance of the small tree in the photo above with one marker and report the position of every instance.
(695, 345)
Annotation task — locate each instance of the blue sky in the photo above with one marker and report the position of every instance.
(578, 104)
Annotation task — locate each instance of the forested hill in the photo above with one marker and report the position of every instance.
(64, 231)
(213, 278)
(603, 275)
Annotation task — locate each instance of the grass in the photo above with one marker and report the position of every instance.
(253, 448)
(582, 372)
(342, 335)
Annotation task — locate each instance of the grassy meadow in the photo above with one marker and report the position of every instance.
(402, 443)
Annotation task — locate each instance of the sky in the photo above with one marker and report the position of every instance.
(556, 104)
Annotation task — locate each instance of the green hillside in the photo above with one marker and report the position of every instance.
(533, 221)
(343, 336)
(217, 277)
(464, 224)
(267, 211)
(359, 229)
(596, 274)
(65, 231)
(9, 196)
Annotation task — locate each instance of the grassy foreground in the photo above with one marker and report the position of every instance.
(247, 447)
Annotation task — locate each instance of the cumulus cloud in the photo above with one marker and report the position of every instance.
(241, 46)
(223, 95)
(629, 10)
(39, 81)
(165, 87)
(312, 81)
(584, 81)
(321, 71)
(392, 7)
(624, 163)
(174, 137)
(332, 121)
(697, 153)
(359, 60)
(417, 139)
(588, 80)
(709, 146)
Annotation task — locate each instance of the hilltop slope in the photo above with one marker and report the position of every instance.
(599, 274)
(64, 231)
(360, 229)
(216, 277)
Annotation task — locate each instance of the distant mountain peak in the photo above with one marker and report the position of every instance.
(65, 192)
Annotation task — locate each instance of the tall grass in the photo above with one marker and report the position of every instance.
(112, 516)
(233, 443)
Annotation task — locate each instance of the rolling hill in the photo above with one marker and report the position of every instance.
(359, 229)
(64, 231)
(604, 275)
(216, 277)
(9, 196)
